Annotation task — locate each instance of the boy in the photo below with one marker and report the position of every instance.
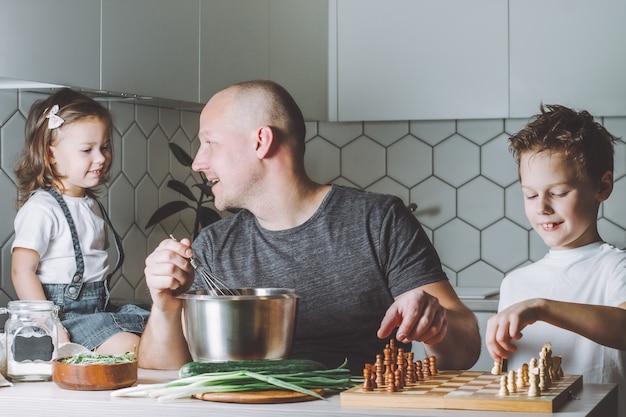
(575, 297)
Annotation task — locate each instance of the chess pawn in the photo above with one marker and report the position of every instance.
(520, 378)
(533, 388)
(426, 367)
(497, 368)
(398, 379)
(391, 383)
(432, 364)
(525, 373)
(367, 379)
(503, 386)
(419, 371)
(512, 387)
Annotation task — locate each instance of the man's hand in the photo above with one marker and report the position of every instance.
(418, 316)
(168, 273)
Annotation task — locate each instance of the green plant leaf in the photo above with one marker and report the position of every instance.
(207, 215)
(182, 188)
(205, 188)
(181, 155)
(167, 210)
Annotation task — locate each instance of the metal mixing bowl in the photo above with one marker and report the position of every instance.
(258, 324)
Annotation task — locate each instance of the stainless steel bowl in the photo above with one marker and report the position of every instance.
(258, 324)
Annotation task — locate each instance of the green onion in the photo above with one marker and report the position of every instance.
(236, 381)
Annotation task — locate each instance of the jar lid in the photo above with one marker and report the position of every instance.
(30, 306)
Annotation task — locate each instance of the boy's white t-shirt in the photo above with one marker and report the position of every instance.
(592, 274)
(40, 225)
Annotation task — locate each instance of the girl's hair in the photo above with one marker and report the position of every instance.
(558, 129)
(33, 169)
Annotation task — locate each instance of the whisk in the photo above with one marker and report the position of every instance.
(213, 284)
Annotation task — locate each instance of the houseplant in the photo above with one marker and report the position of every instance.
(204, 215)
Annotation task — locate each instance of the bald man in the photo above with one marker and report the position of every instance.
(361, 263)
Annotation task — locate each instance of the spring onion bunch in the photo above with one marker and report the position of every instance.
(236, 381)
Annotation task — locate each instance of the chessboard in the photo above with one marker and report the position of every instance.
(397, 380)
(465, 390)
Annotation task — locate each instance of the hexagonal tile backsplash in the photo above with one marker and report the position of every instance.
(458, 172)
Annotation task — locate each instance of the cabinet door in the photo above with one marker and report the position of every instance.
(568, 52)
(150, 47)
(54, 42)
(234, 43)
(420, 59)
(300, 54)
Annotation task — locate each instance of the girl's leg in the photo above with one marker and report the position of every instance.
(119, 343)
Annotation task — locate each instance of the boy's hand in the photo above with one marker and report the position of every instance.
(507, 326)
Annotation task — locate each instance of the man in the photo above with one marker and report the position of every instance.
(360, 262)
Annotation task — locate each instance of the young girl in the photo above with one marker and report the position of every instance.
(61, 229)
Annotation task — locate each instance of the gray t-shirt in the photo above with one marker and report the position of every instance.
(347, 263)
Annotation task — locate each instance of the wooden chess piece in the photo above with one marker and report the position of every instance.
(533, 388)
(503, 386)
(497, 368)
(367, 379)
(432, 364)
(512, 387)
(525, 376)
(419, 371)
(380, 370)
(520, 378)
(398, 379)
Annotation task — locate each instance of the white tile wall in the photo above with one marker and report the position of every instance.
(459, 172)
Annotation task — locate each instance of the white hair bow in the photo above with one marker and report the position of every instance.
(54, 120)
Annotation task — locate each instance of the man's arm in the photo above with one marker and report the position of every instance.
(163, 344)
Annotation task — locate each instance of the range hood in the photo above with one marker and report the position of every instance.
(98, 95)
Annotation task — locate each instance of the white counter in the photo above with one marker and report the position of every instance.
(47, 399)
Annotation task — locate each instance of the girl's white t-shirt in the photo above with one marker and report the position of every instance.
(40, 225)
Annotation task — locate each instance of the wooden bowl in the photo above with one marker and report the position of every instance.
(94, 377)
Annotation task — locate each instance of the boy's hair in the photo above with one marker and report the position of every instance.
(33, 169)
(558, 129)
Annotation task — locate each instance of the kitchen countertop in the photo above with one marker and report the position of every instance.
(47, 399)
(479, 299)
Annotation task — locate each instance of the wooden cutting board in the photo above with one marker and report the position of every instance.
(258, 397)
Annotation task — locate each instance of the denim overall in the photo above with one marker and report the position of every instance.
(84, 307)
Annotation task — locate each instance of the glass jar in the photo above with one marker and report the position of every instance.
(31, 339)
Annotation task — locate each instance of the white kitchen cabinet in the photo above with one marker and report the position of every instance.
(353, 60)
(234, 43)
(282, 40)
(302, 53)
(569, 52)
(56, 42)
(420, 59)
(151, 48)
